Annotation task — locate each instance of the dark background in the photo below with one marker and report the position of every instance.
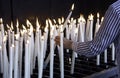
(23, 9)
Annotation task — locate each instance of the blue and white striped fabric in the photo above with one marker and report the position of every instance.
(109, 32)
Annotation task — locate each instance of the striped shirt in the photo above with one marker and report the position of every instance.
(109, 32)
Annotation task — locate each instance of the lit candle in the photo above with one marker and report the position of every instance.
(17, 25)
(16, 74)
(74, 53)
(1, 60)
(113, 52)
(91, 28)
(5, 59)
(51, 53)
(72, 8)
(41, 58)
(20, 54)
(46, 37)
(105, 56)
(61, 54)
(11, 62)
(26, 60)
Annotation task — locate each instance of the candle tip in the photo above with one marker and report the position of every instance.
(72, 8)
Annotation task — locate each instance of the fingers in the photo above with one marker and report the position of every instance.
(57, 40)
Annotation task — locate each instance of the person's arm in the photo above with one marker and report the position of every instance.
(108, 31)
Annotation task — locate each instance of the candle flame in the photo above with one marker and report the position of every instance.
(23, 27)
(71, 19)
(59, 21)
(91, 17)
(72, 8)
(62, 19)
(37, 22)
(68, 21)
(21, 32)
(28, 23)
(1, 20)
(8, 26)
(102, 18)
(17, 23)
(54, 21)
(12, 25)
(50, 22)
(98, 15)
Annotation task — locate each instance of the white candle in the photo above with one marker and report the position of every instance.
(74, 53)
(26, 60)
(41, 58)
(113, 52)
(1, 60)
(11, 62)
(105, 56)
(51, 53)
(98, 60)
(5, 58)
(16, 60)
(91, 28)
(20, 56)
(61, 54)
(68, 17)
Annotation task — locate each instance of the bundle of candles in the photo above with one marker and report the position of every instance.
(14, 44)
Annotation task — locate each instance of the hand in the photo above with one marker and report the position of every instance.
(66, 43)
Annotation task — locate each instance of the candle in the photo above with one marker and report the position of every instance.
(61, 54)
(105, 56)
(26, 60)
(68, 17)
(74, 53)
(91, 28)
(11, 62)
(20, 55)
(5, 59)
(51, 53)
(41, 58)
(98, 60)
(16, 74)
(113, 52)
(1, 60)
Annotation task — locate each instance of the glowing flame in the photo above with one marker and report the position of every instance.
(37, 22)
(98, 15)
(62, 19)
(59, 21)
(17, 23)
(91, 17)
(8, 26)
(47, 23)
(1, 20)
(28, 23)
(50, 22)
(23, 27)
(71, 19)
(102, 18)
(54, 21)
(12, 25)
(68, 21)
(72, 8)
